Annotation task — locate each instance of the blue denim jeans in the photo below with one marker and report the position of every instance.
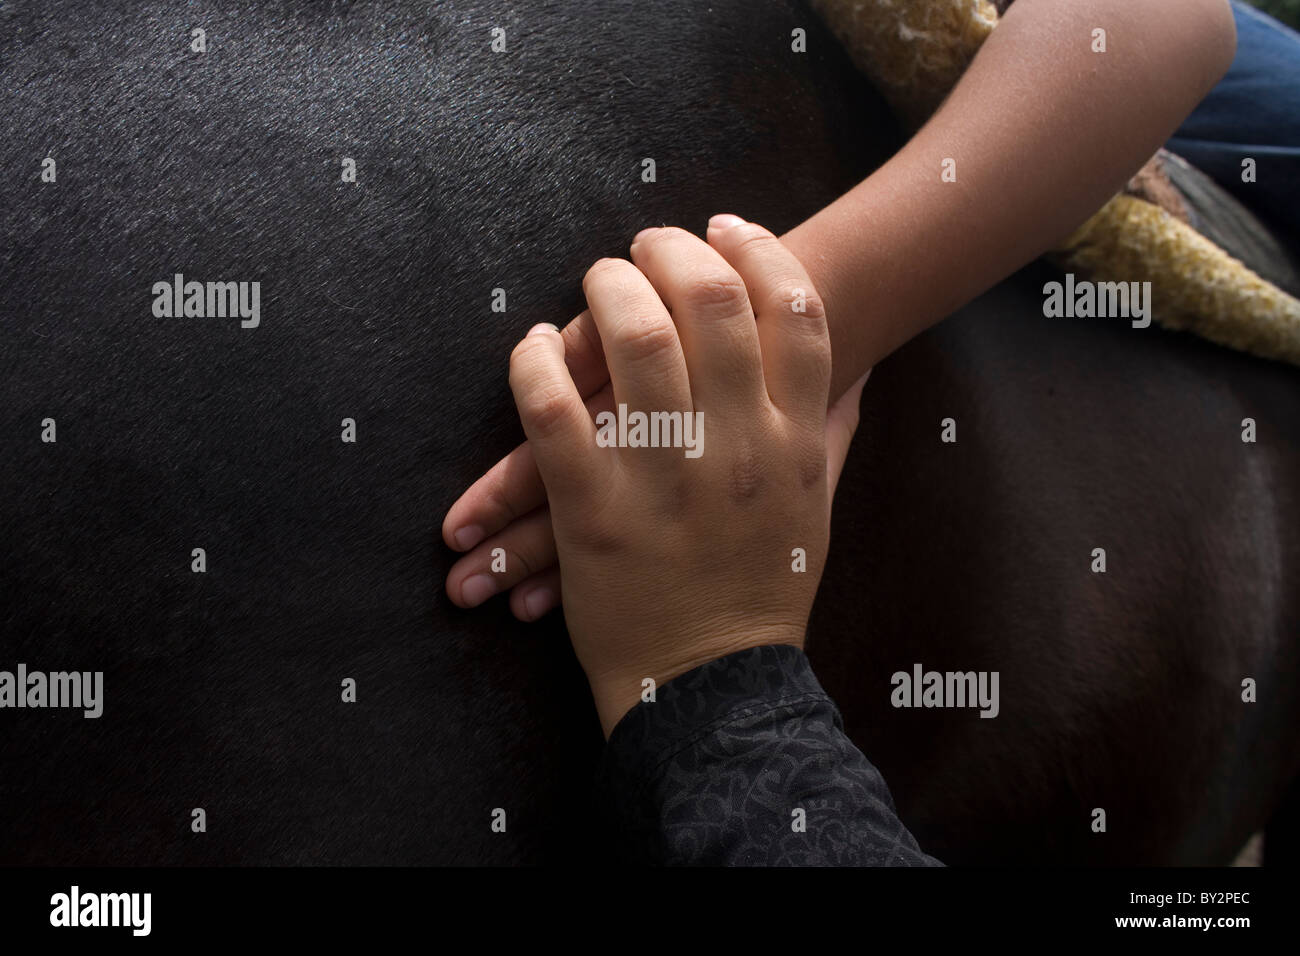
(1253, 112)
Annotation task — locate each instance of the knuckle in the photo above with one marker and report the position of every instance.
(547, 409)
(745, 478)
(749, 235)
(646, 340)
(805, 445)
(802, 300)
(805, 315)
(801, 303)
(812, 470)
(715, 289)
(600, 529)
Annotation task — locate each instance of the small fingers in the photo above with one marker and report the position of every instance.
(510, 488)
(559, 429)
(710, 307)
(641, 347)
(536, 596)
(791, 319)
(524, 549)
(513, 486)
(584, 354)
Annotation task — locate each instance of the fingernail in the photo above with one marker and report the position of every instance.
(541, 327)
(477, 589)
(538, 601)
(725, 220)
(468, 536)
(643, 233)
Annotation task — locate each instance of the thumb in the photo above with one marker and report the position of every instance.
(841, 423)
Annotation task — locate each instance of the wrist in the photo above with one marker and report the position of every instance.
(616, 693)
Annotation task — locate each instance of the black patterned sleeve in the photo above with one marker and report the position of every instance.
(744, 762)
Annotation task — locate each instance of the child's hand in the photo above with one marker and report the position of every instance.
(506, 508)
(674, 556)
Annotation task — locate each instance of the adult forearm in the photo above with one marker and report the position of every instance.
(1041, 131)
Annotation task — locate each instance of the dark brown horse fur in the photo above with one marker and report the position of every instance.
(321, 559)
